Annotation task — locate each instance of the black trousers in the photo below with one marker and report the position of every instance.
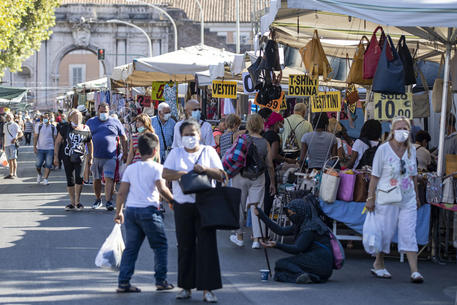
(28, 137)
(198, 259)
(73, 171)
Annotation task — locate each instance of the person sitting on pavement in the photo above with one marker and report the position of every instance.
(312, 260)
(105, 131)
(193, 110)
(142, 125)
(43, 146)
(74, 138)
(140, 188)
(164, 125)
(11, 132)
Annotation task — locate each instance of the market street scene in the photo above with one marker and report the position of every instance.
(228, 151)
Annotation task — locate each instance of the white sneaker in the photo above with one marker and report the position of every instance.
(38, 178)
(236, 241)
(45, 182)
(255, 245)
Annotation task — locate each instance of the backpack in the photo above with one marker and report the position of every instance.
(291, 141)
(368, 155)
(235, 158)
(53, 132)
(255, 165)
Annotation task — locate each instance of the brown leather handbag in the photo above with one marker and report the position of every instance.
(314, 58)
(352, 95)
(355, 75)
(362, 180)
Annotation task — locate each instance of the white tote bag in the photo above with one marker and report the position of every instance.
(329, 183)
(448, 190)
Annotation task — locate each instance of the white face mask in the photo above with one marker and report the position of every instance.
(401, 135)
(196, 114)
(166, 116)
(190, 142)
(104, 116)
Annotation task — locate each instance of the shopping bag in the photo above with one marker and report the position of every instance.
(346, 189)
(407, 60)
(330, 182)
(372, 54)
(390, 74)
(434, 193)
(362, 180)
(3, 160)
(355, 75)
(110, 254)
(371, 234)
(448, 190)
(314, 58)
(421, 101)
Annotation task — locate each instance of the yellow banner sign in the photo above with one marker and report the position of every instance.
(274, 105)
(157, 91)
(388, 106)
(326, 102)
(302, 85)
(224, 89)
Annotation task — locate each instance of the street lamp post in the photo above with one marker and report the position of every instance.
(136, 27)
(166, 14)
(202, 23)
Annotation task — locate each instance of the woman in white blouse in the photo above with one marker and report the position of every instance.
(395, 171)
(198, 260)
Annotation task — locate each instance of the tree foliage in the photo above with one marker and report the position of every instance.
(24, 24)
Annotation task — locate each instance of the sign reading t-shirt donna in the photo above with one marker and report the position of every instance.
(329, 101)
(224, 89)
(302, 85)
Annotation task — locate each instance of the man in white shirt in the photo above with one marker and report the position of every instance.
(140, 189)
(43, 146)
(11, 132)
(193, 111)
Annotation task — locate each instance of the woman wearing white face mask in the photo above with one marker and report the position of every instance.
(393, 197)
(198, 262)
(142, 124)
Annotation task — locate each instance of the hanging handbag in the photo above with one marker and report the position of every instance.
(330, 182)
(434, 193)
(193, 182)
(271, 62)
(437, 94)
(346, 189)
(407, 60)
(372, 54)
(219, 208)
(390, 75)
(255, 70)
(362, 180)
(314, 58)
(421, 101)
(388, 194)
(355, 75)
(352, 95)
(448, 190)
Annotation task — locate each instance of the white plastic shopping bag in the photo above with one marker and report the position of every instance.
(3, 160)
(110, 254)
(371, 235)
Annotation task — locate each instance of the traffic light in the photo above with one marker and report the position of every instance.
(101, 54)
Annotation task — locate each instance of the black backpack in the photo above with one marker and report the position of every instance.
(368, 155)
(255, 165)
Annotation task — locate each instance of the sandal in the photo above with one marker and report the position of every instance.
(69, 207)
(164, 286)
(128, 289)
(381, 273)
(417, 278)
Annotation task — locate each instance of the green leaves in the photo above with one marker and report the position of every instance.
(24, 24)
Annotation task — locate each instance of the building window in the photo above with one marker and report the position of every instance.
(77, 74)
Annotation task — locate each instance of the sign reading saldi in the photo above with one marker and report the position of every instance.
(302, 85)
(388, 106)
(329, 101)
(224, 89)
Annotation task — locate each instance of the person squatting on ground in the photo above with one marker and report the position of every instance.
(43, 146)
(198, 259)
(394, 165)
(313, 258)
(74, 138)
(140, 188)
(105, 131)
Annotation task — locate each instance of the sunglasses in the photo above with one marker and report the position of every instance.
(402, 167)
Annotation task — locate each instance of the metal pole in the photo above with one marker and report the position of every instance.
(136, 27)
(202, 23)
(440, 169)
(237, 11)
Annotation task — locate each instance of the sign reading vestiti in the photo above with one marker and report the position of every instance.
(224, 89)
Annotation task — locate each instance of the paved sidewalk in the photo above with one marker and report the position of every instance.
(47, 257)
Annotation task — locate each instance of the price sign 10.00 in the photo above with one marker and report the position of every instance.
(388, 106)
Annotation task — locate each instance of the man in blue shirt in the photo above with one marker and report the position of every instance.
(164, 127)
(105, 132)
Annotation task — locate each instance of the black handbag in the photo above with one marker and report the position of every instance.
(407, 60)
(219, 208)
(272, 56)
(255, 70)
(193, 182)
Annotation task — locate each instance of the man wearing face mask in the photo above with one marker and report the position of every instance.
(164, 126)
(11, 132)
(105, 130)
(43, 146)
(193, 111)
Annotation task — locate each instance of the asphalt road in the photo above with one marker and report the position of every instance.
(47, 257)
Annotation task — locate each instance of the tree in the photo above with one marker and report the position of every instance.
(24, 24)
